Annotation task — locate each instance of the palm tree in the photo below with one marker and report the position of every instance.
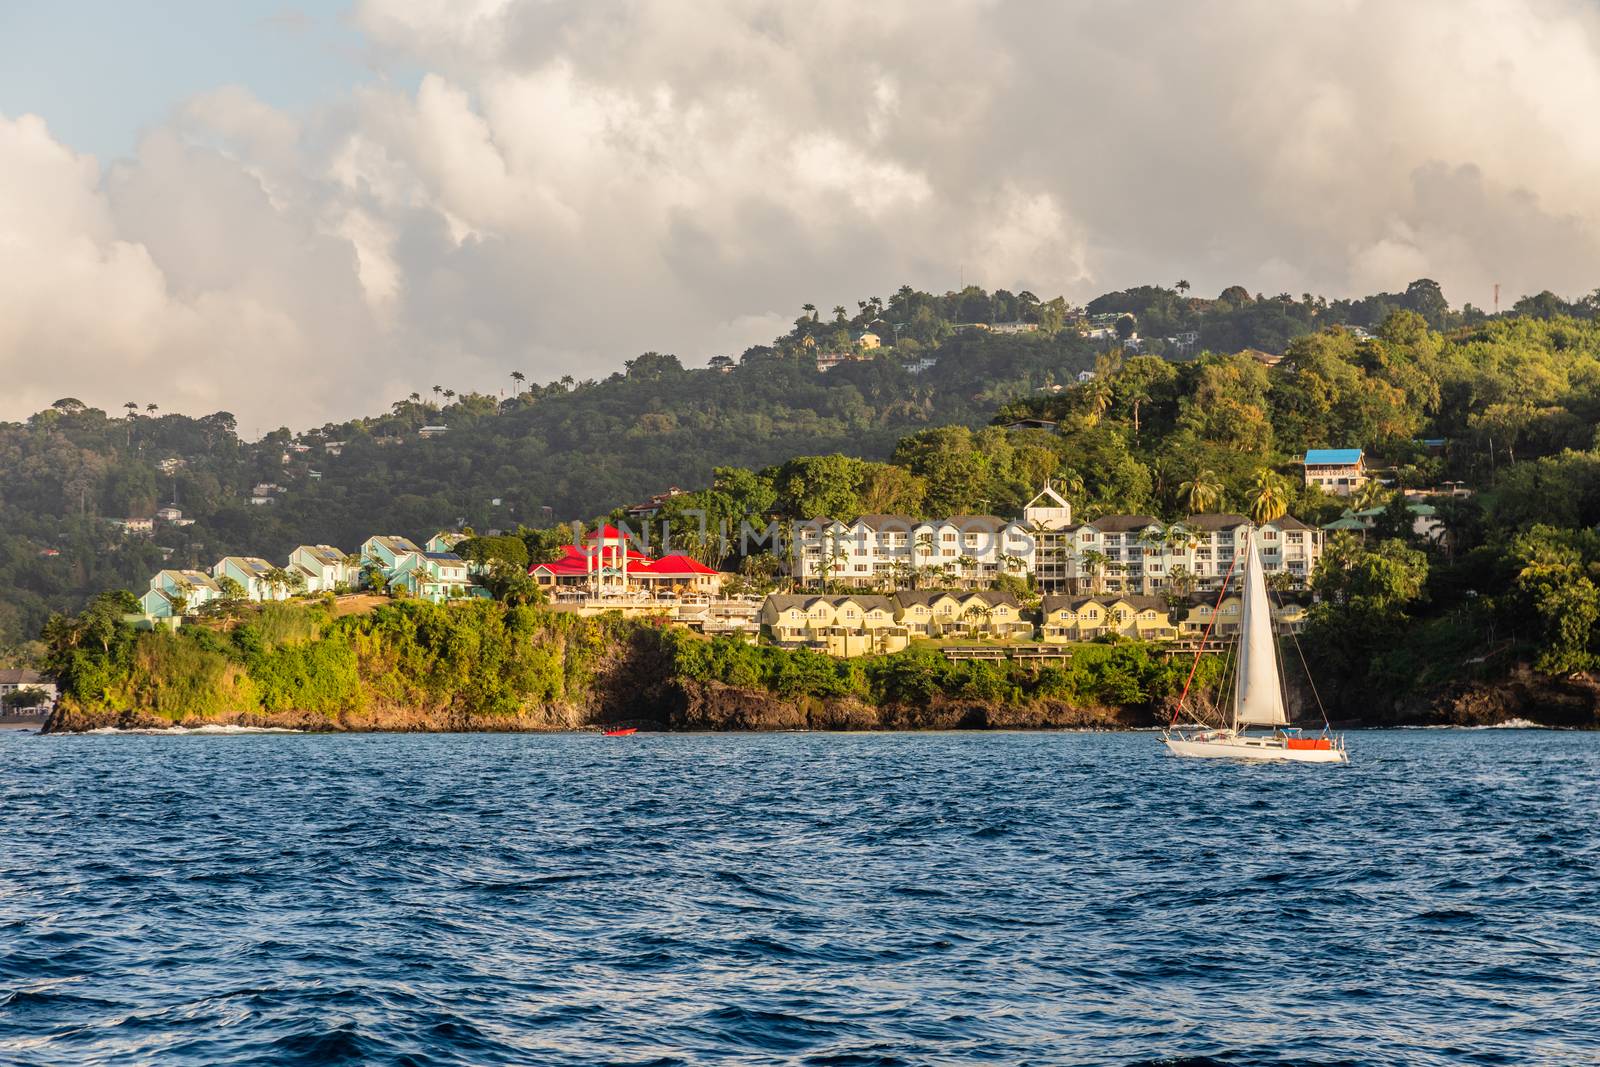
(1372, 494)
(1182, 286)
(152, 409)
(566, 381)
(518, 377)
(1092, 563)
(829, 563)
(1138, 394)
(839, 313)
(133, 408)
(1202, 492)
(1181, 581)
(437, 390)
(1270, 499)
(1096, 395)
(449, 394)
(277, 580)
(811, 310)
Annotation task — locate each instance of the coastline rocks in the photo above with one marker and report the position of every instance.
(1571, 701)
(634, 693)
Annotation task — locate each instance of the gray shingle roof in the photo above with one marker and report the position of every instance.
(1122, 523)
(1137, 603)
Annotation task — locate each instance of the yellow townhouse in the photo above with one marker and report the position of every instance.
(1084, 618)
(853, 625)
(983, 613)
(1287, 617)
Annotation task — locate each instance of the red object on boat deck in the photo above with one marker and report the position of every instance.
(623, 732)
(1309, 742)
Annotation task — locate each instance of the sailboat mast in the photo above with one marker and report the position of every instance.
(1258, 700)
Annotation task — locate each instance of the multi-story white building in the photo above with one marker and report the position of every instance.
(1129, 554)
(1138, 554)
(1049, 518)
(893, 551)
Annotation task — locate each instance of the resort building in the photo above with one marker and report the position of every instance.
(891, 551)
(1049, 517)
(965, 613)
(1083, 618)
(1288, 616)
(607, 564)
(1338, 471)
(854, 625)
(1425, 521)
(1138, 554)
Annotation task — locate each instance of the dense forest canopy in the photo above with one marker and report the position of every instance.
(1187, 406)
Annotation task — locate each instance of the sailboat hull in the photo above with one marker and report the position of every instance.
(1242, 746)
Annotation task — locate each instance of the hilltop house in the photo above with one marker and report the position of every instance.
(443, 541)
(252, 574)
(385, 550)
(1339, 471)
(434, 576)
(648, 508)
(324, 568)
(172, 589)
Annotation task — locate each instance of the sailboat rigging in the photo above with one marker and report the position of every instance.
(1259, 693)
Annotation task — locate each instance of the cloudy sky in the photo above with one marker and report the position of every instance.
(298, 213)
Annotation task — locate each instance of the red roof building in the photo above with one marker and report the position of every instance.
(607, 564)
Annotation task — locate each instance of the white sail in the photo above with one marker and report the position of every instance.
(1258, 701)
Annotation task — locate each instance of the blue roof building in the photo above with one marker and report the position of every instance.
(1333, 457)
(1335, 470)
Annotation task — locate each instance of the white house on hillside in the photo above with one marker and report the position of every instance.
(251, 573)
(324, 567)
(174, 589)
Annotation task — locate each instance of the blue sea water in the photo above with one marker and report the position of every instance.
(796, 899)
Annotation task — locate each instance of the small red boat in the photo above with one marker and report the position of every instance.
(622, 731)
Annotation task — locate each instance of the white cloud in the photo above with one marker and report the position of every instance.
(573, 183)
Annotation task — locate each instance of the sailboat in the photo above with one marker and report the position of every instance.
(1258, 697)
